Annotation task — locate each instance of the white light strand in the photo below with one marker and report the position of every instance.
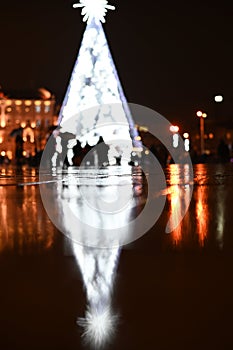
(94, 9)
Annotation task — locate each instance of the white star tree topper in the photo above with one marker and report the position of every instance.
(94, 9)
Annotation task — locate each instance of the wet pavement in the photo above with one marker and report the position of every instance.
(171, 290)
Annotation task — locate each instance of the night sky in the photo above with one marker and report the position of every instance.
(171, 56)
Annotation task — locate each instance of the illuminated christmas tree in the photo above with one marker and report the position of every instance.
(95, 103)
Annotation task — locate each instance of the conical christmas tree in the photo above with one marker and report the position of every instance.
(95, 104)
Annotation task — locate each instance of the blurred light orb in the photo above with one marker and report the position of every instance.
(174, 128)
(218, 98)
(199, 114)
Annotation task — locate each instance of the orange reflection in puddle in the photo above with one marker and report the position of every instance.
(201, 204)
(175, 212)
(25, 227)
(179, 193)
(202, 213)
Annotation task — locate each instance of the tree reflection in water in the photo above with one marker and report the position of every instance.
(100, 206)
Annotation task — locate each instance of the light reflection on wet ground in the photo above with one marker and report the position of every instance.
(207, 222)
(173, 290)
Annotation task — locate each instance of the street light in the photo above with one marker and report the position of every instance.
(218, 98)
(202, 117)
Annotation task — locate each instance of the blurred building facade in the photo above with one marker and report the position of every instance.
(25, 125)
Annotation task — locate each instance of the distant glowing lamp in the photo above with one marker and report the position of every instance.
(174, 128)
(186, 135)
(204, 115)
(3, 153)
(218, 98)
(199, 114)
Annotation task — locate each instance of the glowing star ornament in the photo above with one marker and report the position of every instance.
(94, 9)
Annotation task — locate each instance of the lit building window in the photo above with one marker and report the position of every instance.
(3, 123)
(28, 103)
(18, 102)
(55, 122)
(47, 105)
(28, 135)
(46, 109)
(38, 106)
(9, 154)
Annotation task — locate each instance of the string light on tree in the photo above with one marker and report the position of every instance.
(94, 9)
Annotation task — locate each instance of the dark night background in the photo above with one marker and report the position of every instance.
(171, 56)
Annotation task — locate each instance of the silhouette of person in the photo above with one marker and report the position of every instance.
(223, 151)
(102, 152)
